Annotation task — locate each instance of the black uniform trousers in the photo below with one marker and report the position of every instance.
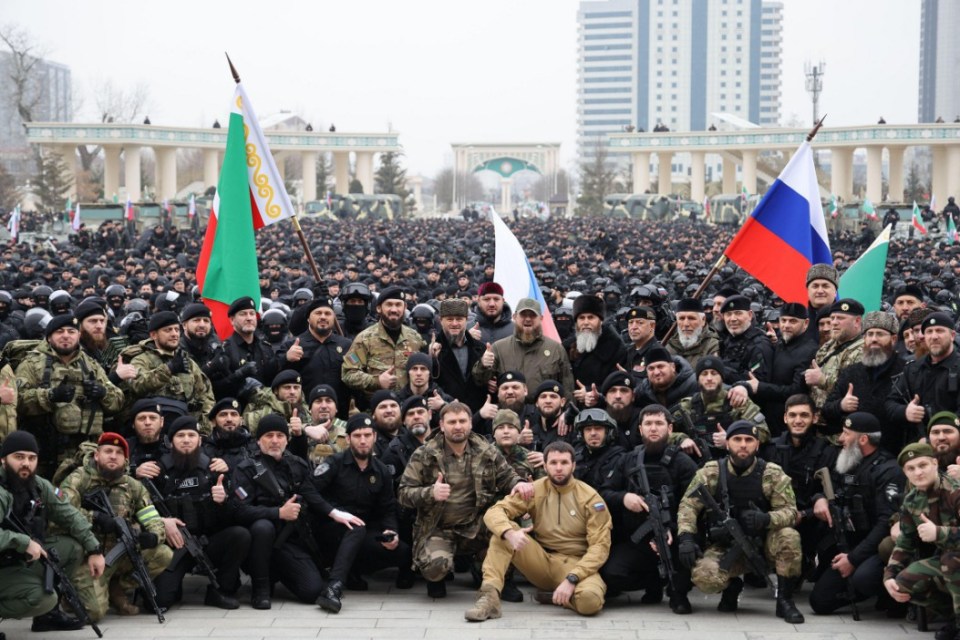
(631, 567)
(829, 593)
(290, 564)
(227, 549)
(357, 550)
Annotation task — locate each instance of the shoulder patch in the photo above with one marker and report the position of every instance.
(241, 493)
(599, 506)
(353, 359)
(321, 469)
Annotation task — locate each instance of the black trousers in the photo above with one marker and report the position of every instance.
(830, 590)
(290, 564)
(631, 567)
(357, 550)
(227, 549)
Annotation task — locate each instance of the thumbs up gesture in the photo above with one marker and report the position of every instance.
(488, 359)
(814, 375)
(8, 394)
(850, 402)
(125, 370)
(441, 490)
(290, 510)
(580, 393)
(435, 346)
(915, 411)
(526, 434)
(489, 409)
(295, 423)
(295, 352)
(435, 402)
(753, 382)
(388, 379)
(218, 492)
(720, 438)
(926, 529)
(592, 398)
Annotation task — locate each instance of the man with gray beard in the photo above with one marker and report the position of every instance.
(865, 385)
(871, 483)
(595, 348)
(693, 339)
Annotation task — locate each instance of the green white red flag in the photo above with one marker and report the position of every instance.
(917, 220)
(250, 194)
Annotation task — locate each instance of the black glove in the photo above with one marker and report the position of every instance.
(249, 370)
(248, 388)
(178, 363)
(720, 535)
(92, 390)
(148, 540)
(754, 521)
(104, 523)
(63, 392)
(689, 551)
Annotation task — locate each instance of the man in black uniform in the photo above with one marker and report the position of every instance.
(745, 349)
(385, 406)
(267, 492)
(318, 352)
(456, 352)
(148, 444)
(198, 338)
(634, 566)
(230, 440)
(196, 497)
(871, 482)
(245, 354)
(595, 349)
(618, 399)
(641, 324)
(358, 514)
(597, 454)
(551, 402)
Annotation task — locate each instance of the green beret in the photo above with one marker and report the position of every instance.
(915, 450)
(944, 417)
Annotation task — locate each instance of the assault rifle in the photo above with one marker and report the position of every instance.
(839, 529)
(658, 522)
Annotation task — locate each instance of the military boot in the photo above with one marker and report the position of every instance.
(786, 608)
(731, 595)
(947, 632)
(486, 607)
(120, 601)
(219, 599)
(437, 589)
(260, 593)
(56, 620)
(330, 597)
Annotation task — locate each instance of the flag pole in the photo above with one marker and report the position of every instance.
(723, 257)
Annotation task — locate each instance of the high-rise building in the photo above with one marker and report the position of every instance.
(644, 63)
(939, 60)
(49, 95)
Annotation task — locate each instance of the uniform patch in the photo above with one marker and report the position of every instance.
(58, 493)
(321, 469)
(599, 506)
(373, 479)
(339, 349)
(241, 493)
(189, 483)
(353, 358)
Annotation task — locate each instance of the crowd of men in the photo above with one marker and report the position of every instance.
(398, 414)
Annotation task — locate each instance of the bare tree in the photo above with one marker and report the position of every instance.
(25, 56)
(115, 104)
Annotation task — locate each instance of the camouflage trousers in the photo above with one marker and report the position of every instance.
(95, 593)
(934, 583)
(544, 570)
(434, 558)
(781, 548)
(21, 586)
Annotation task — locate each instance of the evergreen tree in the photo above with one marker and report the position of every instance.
(914, 189)
(597, 180)
(53, 182)
(355, 186)
(390, 177)
(324, 169)
(9, 192)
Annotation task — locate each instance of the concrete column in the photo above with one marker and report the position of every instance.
(697, 190)
(211, 168)
(641, 171)
(365, 170)
(416, 182)
(841, 175)
(875, 173)
(953, 173)
(281, 161)
(729, 176)
(131, 172)
(506, 197)
(750, 171)
(111, 171)
(895, 178)
(664, 173)
(167, 172)
(939, 182)
(309, 170)
(69, 155)
(341, 172)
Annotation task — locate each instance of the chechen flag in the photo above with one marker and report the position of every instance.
(512, 271)
(250, 195)
(786, 234)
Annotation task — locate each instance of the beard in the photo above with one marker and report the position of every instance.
(110, 474)
(849, 458)
(95, 343)
(744, 464)
(948, 457)
(455, 339)
(419, 429)
(65, 351)
(391, 323)
(185, 461)
(550, 416)
(690, 341)
(710, 396)
(874, 356)
(323, 332)
(18, 486)
(655, 448)
(514, 405)
(587, 341)
(524, 338)
(620, 416)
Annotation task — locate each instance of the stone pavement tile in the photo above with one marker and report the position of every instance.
(371, 634)
(478, 630)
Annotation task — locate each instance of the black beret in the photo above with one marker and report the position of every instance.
(19, 441)
(690, 304)
(710, 362)
(413, 402)
(512, 376)
(658, 354)
(272, 422)
(848, 306)
(322, 391)
(59, 322)
(390, 293)
(359, 421)
(862, 422)
(287, 376)
(316, 303)
(909, 290)
(735, 303)
(618, 379)
(643, 313)
(162, 319)
(936, 319)
(224, 404)
(241, 304)
(146, 404)
(194, 310)
(743, 427)
(727, 292)
(183, 423)
(794, 310)
(589, 304)
(549, 385)
(382, 396)
(86, 309)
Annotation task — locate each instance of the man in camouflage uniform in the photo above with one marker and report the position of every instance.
(63, 394)
(130, 501)
(759, 496)
(8, 399)
(844, 348)
(694, 338)
(710, 411)
(378, 356)
(164, 369)
(326, 433)
(926, 557)
(451, 481)
(285, 397)
(506, 437)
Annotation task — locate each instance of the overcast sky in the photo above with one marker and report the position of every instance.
(437, 71)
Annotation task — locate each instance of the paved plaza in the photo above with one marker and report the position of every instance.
(387, 613)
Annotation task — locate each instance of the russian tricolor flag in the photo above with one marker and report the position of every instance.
(512, 271)
(786, 234)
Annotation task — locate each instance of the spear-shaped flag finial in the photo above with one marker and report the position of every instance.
(236, 76)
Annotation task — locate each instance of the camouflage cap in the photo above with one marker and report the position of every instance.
(506, 416)
(915, 450)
